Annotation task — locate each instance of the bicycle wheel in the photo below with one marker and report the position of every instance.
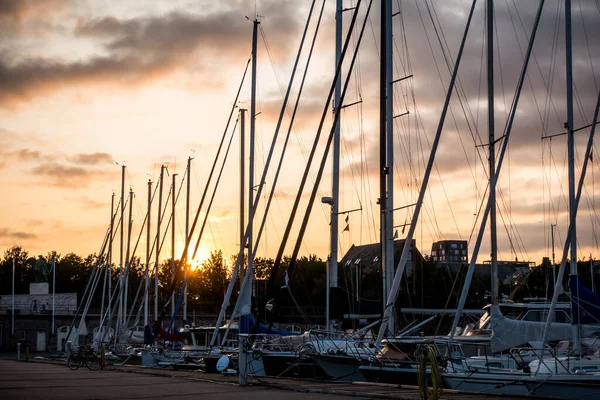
(74, 361)
(92, 361)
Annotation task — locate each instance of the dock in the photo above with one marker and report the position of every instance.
(39, 379)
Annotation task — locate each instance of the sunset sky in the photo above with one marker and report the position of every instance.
(87, 86)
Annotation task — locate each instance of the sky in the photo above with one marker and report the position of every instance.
(87, 87)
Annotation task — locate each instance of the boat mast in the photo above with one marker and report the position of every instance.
(156, 260)
(127, 259)
(382, 155)
(242, 180)
(571, 158)
(251, 208)
(389, 114)
(187, 232)
(492, 155)
(109, 256)
(146, 275)
(391, 299)
(332, 265)
(120, 316)
(173, 242)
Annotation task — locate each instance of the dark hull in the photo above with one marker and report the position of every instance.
(391, 374)
(339, 367)
(290, 366)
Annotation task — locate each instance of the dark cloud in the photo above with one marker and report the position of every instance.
(23, 8)
(56, 174)
(92, 159)
(6, 233)
(137, 50)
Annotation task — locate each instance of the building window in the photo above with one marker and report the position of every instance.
(453, 245)
(22, 335)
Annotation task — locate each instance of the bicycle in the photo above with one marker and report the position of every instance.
(83, 355)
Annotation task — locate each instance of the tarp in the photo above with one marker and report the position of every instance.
(585, 304)
(247, 323)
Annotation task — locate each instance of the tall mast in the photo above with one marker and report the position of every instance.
(389, 112)
(173, 242)
(110, 243)
(187, 232)
(127, 259)
(332, 272)
(383, 154)
(148, 245)
(156, 260)
(571, 158)
(121, 266)
(242, 179)
(492, 158)
(251, 209)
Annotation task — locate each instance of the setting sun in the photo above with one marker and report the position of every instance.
(201, 255)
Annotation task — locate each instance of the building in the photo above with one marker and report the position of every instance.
(450, 252)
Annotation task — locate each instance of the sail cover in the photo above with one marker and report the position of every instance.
(508, 333)
(585, 304)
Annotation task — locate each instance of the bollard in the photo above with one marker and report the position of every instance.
(27, 354)
(103, 357)
(18, 351)
(243, 359)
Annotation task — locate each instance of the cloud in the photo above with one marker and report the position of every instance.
(68, 176)
(6, 233)
(137, 50)
(22, 8)
(92, 159)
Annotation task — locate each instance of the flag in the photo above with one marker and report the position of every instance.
(403, 228)
(591, 155)
(396, 234)
(347, 218)
(347, 228)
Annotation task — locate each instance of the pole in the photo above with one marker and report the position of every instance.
(121, 269)
(53, 289)
(592, 274)
(492, 155)
(552, 226)
(332, 273)
(389, 111)
(187, 232)
(251, 160)
(382, 155)
(156, 261)
(13, 297)
(571, 158)
(127, 257)
(148, 245)
(173, 242)
(242, 178)
(110, 249)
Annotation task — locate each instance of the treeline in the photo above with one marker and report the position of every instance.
(301, 295)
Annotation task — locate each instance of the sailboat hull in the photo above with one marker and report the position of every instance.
(341, 368)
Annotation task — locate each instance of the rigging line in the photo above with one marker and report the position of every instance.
(461, 94)
(279, 256)
(183, 258)
(328, 145)
(280, 84)
(212, 198)
(587, 43)
(293, 116)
